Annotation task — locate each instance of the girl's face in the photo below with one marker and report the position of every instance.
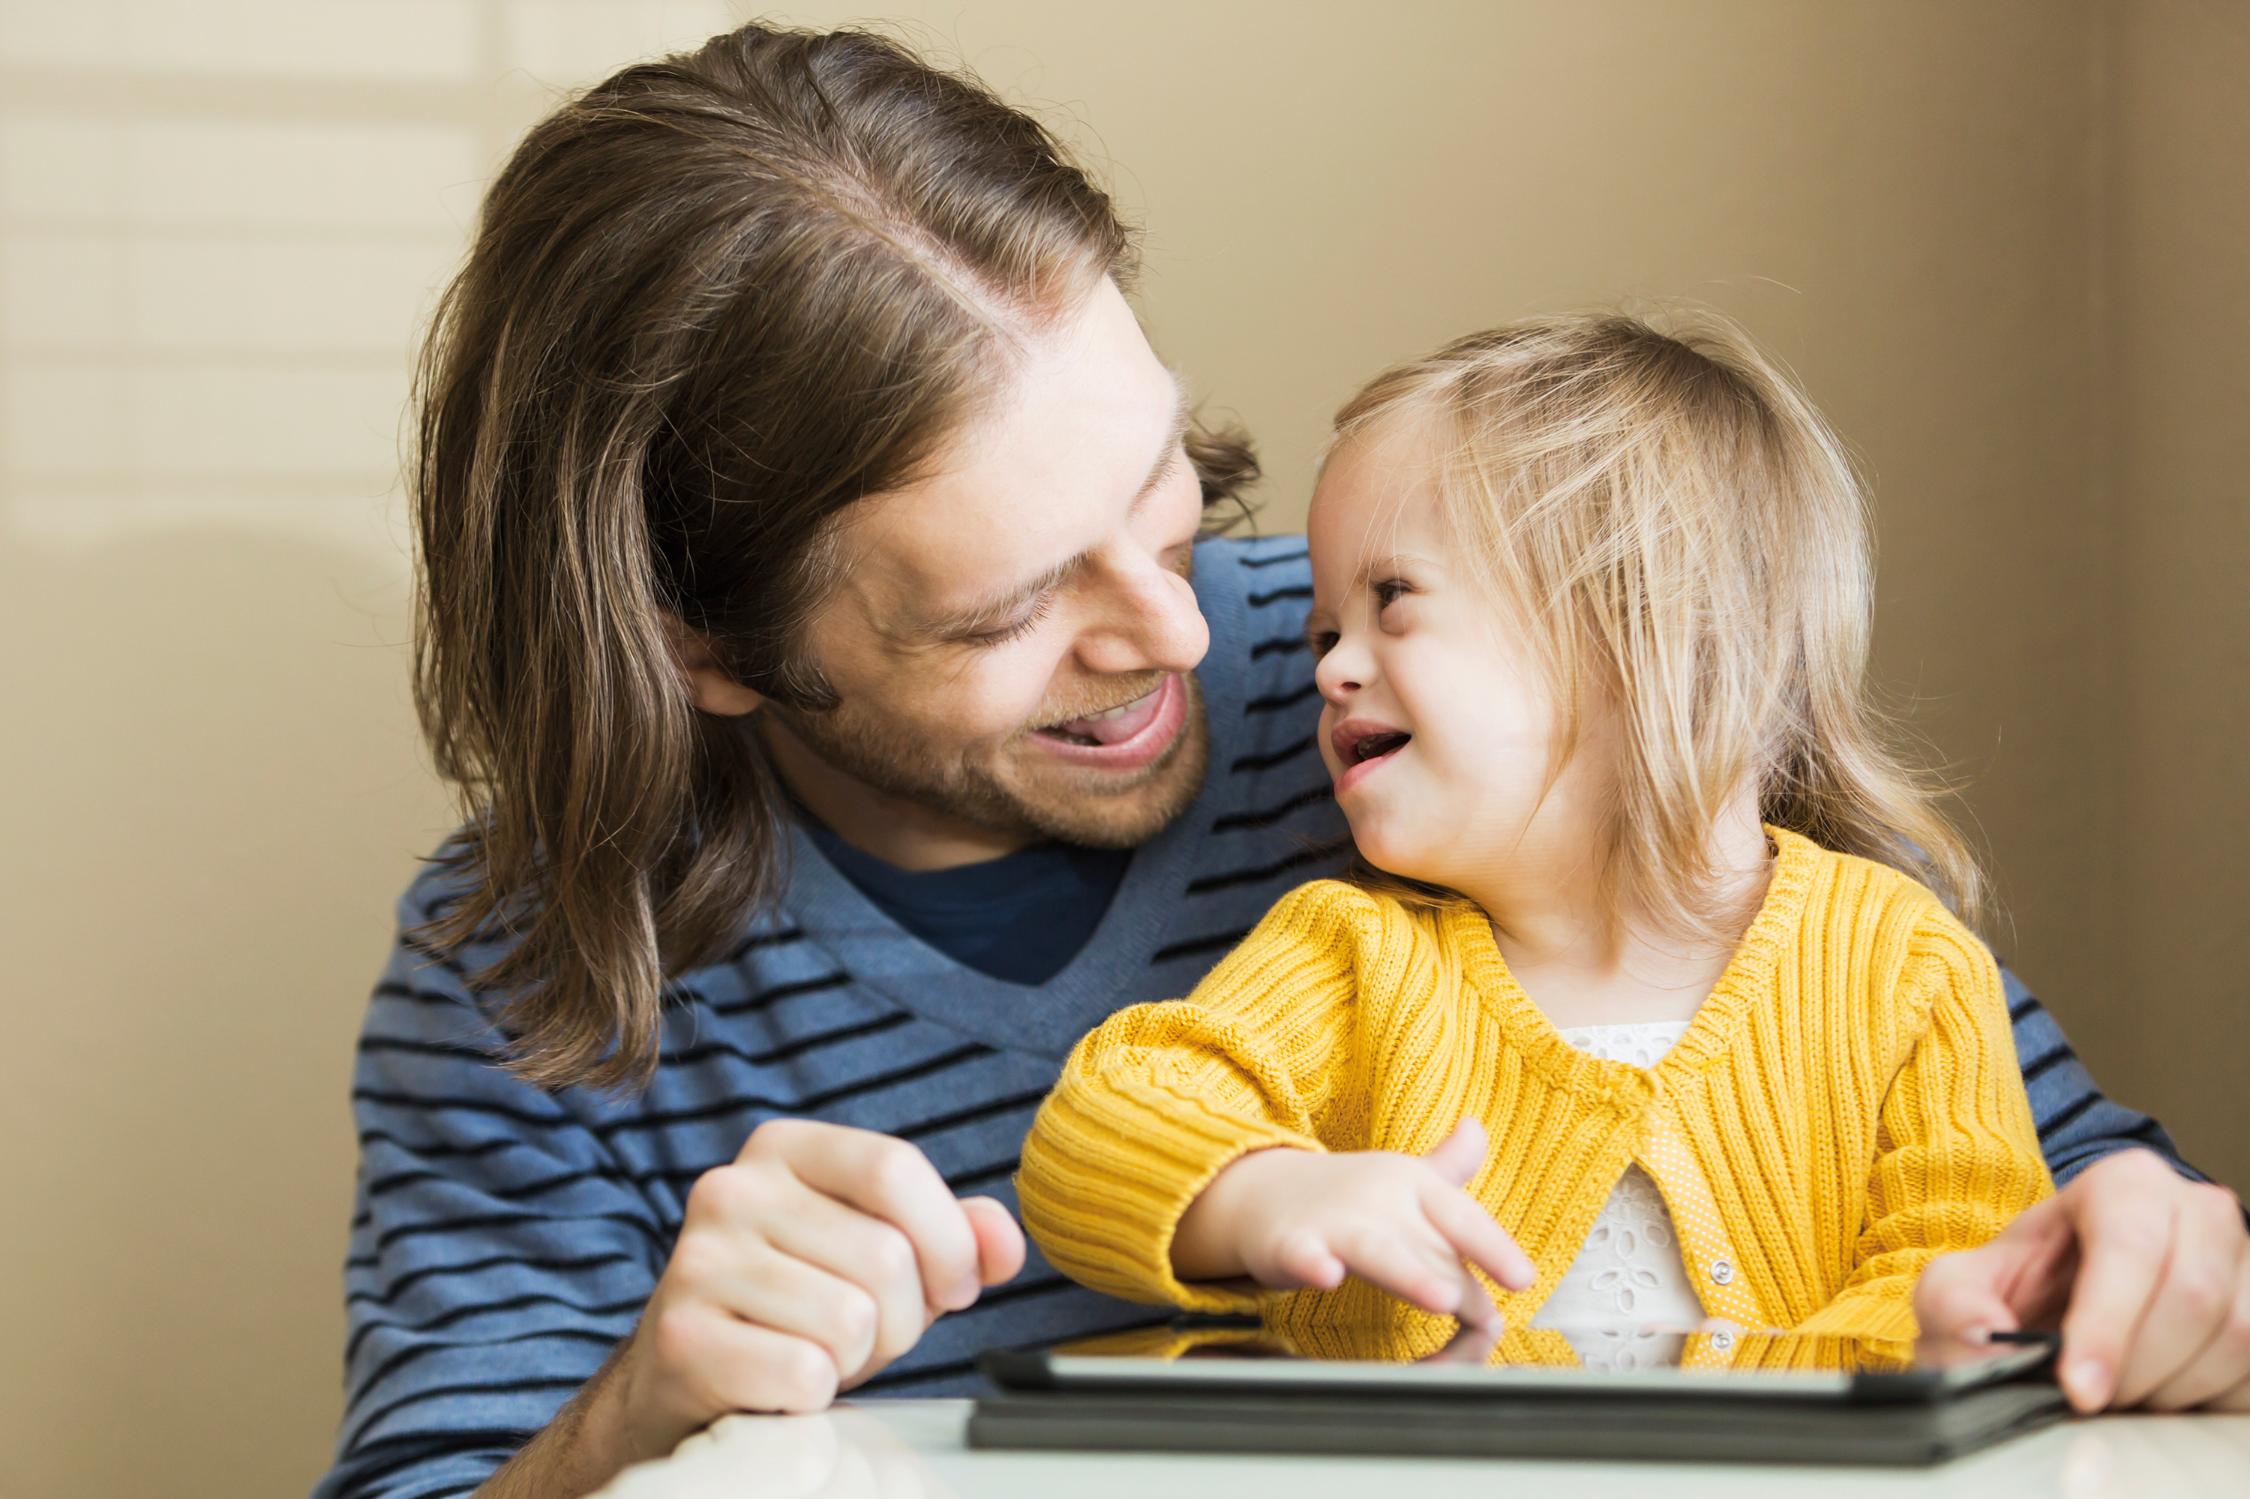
(1436, 720)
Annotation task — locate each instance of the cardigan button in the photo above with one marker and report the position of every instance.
(1722, 1272)
(1722, 1340)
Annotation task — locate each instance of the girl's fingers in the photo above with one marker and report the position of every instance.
(1385, 1260)
(1302, 1258)
(1417, 1274)
(1473, 1304)
(1466, 1227)
(1468, 1345)
(1477, 1238)
(1457, 1157)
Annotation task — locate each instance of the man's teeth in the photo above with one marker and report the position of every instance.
(1119, 711)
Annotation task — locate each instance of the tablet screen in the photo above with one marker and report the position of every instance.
(1711, 1360)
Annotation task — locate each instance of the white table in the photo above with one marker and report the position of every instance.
(913, 1449)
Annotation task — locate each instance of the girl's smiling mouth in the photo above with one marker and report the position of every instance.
(1361, 745)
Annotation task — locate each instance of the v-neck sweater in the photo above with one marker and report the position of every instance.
(1844, 1106)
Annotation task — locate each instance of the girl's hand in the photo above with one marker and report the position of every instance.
(1293, 1218)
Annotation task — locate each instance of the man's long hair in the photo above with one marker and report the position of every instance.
(711, 303)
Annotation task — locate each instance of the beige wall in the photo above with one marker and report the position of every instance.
(2178, 1028)
(2001, 242)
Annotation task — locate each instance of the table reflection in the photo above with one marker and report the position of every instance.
(844, 1453)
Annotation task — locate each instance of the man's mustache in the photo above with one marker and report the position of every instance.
(1114, 692)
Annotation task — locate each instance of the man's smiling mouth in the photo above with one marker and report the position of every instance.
(1111, 725)
(1128, 737)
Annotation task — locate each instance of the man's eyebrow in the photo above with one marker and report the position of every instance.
(977, 617)
(1182, 415)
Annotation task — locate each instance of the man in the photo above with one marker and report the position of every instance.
(817, 616)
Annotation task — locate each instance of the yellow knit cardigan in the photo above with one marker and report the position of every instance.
(1845, 1106)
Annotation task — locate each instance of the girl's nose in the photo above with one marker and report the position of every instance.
(1342, 672)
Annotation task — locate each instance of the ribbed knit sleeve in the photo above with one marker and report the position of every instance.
(1957, 1154)
(1162, 1097)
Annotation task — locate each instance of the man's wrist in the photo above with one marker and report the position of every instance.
(586, 1444)
(2157, 1165)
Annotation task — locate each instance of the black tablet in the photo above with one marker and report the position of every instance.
(1205, 1386)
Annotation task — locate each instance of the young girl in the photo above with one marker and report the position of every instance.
(1646, 904)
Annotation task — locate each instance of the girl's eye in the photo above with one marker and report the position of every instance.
(1017, 630)
(1388, 592)
(1322, 642)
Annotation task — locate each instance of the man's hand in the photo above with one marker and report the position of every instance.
(2146, 1273)
(1291, 1218)
(818, 1256)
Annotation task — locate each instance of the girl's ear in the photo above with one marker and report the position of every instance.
(708, 684)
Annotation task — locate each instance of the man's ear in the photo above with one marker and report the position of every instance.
(712, 690)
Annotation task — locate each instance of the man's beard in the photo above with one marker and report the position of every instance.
(1049, 799)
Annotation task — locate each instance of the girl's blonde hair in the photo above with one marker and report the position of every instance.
(1688, 543)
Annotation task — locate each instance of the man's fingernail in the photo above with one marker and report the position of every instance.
(2085, 1381)
(1976, 1337)
(965, 1294)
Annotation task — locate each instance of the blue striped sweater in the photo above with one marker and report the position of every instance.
(506, 1237)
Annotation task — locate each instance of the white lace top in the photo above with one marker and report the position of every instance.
(1623, 1299)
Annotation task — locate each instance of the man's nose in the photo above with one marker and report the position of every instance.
(1154, 624)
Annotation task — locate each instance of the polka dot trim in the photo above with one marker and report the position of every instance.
(1713, 1266)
